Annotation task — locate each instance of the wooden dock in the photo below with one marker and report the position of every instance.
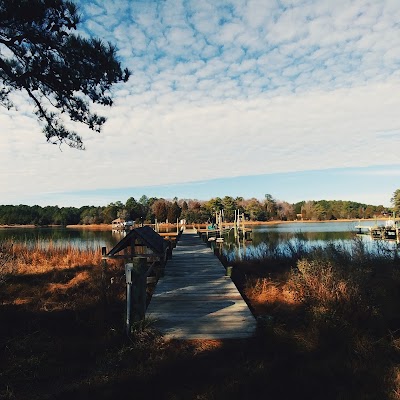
(195, 300)
(389, 232)
(208, 234)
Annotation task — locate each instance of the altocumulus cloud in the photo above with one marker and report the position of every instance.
(227, 88)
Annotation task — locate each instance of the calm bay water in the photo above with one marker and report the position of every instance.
(288, 237)
(61, 237)
(278, 235)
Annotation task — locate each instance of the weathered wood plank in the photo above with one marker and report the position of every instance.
(204, 295)
(195, 300)
(188, 318)
(221, 331)
(201, 307)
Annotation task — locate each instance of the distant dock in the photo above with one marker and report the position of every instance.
(215, 233)
(389, 231)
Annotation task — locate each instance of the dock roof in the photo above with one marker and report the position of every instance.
(147, 236)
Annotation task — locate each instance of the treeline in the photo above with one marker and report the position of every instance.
(148, 210)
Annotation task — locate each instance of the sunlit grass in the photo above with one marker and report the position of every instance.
(327, 318)
(336, 299)
(54, 277)
(38, 258)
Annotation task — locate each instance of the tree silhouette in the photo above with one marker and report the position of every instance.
(396, 200)
(61, 72)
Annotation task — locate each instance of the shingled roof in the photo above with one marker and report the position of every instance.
(147, 236)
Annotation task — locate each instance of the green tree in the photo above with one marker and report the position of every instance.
(270, 206)
(254, 210)
(396, 201)
(61, 72)
(110, 213)
(92, 215)
(229, 207)
(135, 210)
(210, 208)
(298, 207)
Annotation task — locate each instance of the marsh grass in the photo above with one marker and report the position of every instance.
(329, 325)
(338, 301)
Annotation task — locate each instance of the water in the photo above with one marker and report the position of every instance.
(61, 237)
(288, 238)
(279, 236)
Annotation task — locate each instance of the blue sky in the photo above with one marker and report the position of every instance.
(298, 99)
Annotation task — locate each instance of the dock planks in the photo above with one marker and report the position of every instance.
(195, 300)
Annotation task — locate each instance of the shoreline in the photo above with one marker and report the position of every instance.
(247, 223)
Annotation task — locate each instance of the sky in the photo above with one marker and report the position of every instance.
(298, 99)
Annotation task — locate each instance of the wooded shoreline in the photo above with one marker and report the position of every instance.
(250, 223)
(152, 210)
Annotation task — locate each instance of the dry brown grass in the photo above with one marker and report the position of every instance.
(55, 277)
(395, 395)
(272, 291)
(38, 259)
(268, 294)
(340, 306)
(61, 340)
(322, 284)
(201, 346)
(93, 227)
(77, 280)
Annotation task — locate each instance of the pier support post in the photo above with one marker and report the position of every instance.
(136, 282)
(103, 275)
(169, 250)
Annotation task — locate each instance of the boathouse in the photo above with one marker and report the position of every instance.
(143, 242)
(121, 224)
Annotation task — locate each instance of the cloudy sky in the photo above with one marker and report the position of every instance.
(299, 99)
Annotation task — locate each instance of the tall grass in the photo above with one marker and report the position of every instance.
(55, 277)
(328, 329)
(6, 262)
(37, 258)
(338, 300)
(332, 274)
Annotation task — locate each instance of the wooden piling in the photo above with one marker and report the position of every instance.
(139, 283)
(103, 275)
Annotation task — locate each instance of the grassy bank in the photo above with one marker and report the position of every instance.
(339, 304)
(328, 328)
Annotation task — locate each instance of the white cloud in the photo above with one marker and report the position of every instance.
(226, 88)
(187, 143)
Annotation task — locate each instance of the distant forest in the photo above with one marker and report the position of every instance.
(193, 211)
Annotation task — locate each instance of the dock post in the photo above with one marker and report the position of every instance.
(169, 250)
(103, 274)
(136, 283)
(128, 279)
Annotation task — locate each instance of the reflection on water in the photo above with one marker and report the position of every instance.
(293, 238)
(66, 237)
(345, 226)
(279, 238)
(60, 237)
